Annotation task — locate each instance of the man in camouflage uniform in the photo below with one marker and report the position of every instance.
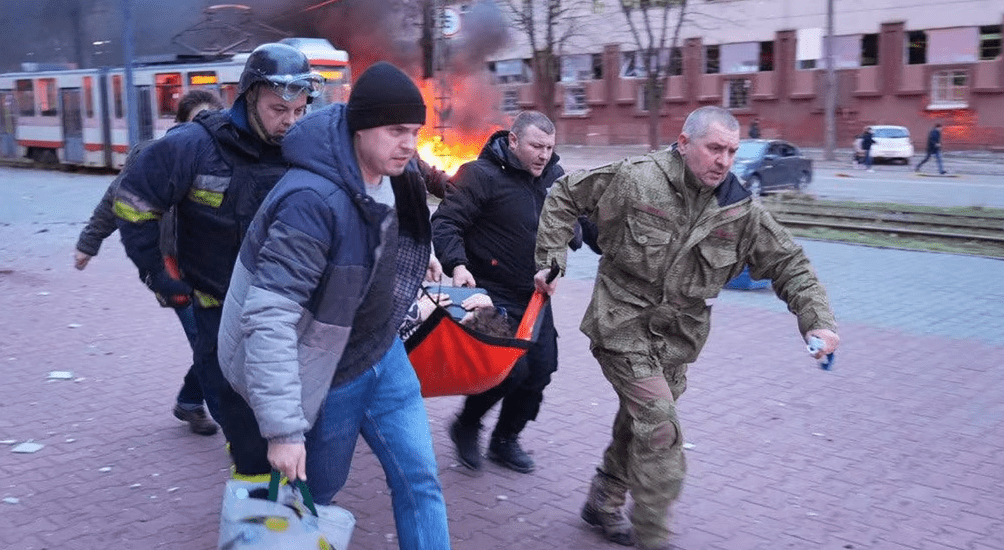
(674, 226)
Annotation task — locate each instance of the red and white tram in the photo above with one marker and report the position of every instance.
(78, 116)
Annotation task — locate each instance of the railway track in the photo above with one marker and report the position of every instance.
(967, 230)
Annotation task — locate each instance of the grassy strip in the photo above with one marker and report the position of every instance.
(796, 198)
(902, 242)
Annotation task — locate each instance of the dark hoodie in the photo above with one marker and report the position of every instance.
(488, 220)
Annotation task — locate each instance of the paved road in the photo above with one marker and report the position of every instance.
(976, 178)
(898, 448)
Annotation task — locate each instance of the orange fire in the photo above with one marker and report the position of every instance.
(442, 145)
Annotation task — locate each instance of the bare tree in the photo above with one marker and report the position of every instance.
(649, 23)
(547, 25)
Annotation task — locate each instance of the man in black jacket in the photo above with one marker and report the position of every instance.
(484, 233)
(933, 148)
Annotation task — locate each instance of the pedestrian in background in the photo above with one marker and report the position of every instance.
(484, 233)
(188, 406)
(331, 264)
(867, 140)
(933, 148)
(216, 172)
(754, 132)
(674, 226)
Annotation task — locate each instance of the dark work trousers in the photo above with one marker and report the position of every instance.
(522, 391)
(248, 449)
(191, 390)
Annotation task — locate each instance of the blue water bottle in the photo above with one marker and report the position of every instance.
(815, 344)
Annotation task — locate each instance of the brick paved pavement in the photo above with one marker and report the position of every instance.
(898, 448)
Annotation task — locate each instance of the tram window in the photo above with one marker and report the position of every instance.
(229, 93)
(25, 98)
(47, 102)
(117, 93)
(168, 94)
(89, 96)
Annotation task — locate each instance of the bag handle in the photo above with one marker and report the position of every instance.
(273, 491)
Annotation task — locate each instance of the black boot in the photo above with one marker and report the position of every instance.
(505, 451)
(466, 439)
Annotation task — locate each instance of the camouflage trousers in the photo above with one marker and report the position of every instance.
(645, 455)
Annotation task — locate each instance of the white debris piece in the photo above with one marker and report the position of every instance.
(105, 469)
(74, 325)
(502, 497)
(60, 375)
(11, 500)
(27, 447)
(688, 446)
(43, 293)
(8, 442)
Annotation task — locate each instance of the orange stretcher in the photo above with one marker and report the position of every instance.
(451, 359)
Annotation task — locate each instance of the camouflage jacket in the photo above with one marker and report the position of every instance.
(670, 244)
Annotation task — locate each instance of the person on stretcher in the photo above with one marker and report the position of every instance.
(482, 316)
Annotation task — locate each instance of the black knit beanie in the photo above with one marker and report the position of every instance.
(382, 96)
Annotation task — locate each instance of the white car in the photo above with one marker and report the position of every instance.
(890, 143)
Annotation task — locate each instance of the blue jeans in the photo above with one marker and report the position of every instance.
(191, 391)
(937, 155)
(385, 405)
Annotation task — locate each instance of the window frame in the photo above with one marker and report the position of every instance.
(947, 94)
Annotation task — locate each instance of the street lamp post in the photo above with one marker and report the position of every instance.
(127, 53)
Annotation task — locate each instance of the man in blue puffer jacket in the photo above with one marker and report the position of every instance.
(307, 337)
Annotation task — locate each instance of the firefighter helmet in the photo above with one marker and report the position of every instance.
(284, 68)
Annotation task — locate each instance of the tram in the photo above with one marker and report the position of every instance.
(78, 117)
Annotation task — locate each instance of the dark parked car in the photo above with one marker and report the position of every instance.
(765, 165)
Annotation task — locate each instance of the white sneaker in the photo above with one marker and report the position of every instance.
(871, 169)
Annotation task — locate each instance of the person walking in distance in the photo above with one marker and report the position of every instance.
(754, 131)
(867, 140)
(933, 148)
(330, 266)
(188, 406)
(215, 172)
(484, 232)
(675, 226)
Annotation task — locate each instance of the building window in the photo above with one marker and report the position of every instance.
(737, 93)
(739, 58)
(89, 96)
(676, 63)
(597, 66)
(990, 42)
(512, 71)
(25, 97)
(510, 101)
(168, 94)
(48, 103)
(632, 65)
(575, 100)
(577, 68)
(949, 89)
(766, 56)
(711, 59)
(117, 95)
(916, 48)
(869, 50)
(808, 48)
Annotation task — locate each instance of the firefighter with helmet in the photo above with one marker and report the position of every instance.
(216, 171)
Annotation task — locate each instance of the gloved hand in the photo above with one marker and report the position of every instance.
(170, 292)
